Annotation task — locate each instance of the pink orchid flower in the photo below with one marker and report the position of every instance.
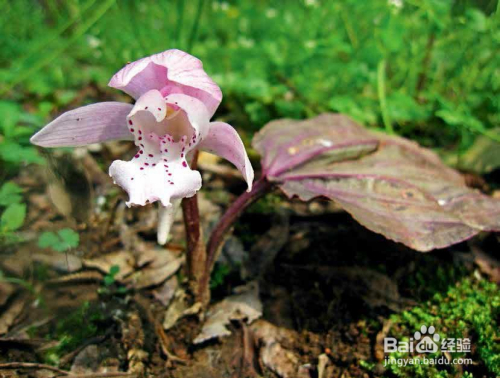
(170, 120)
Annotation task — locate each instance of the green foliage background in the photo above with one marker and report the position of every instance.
(427, 69)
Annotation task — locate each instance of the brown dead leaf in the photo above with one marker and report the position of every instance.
(154, 276)
(77, 278)
(273, 354)
(323, 362)
(122, 259)
(65, 263)
(244, 305)
(93, 359)
(165, 293)
(176, 309)
(133, 342)
(9, 317)
(487, 264)
(379, 344)
(6, 290)
(244, 358)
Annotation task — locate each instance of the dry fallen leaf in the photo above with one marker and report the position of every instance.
(273, 355)
(122, 259)
(165, 293)
(62, 262)
(6, 290)
(176, 309)
(487, 264)
(154, 276)
(244, 305)
(11, 314)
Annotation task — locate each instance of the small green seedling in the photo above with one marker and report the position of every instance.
(62, 241)
(10, 193)
(13, 216)
(110, 281)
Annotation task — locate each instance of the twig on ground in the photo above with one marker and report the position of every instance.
(32, 365)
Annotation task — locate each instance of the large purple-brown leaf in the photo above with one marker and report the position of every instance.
(389, 184)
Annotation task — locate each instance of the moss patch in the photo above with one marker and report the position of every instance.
(470, 310)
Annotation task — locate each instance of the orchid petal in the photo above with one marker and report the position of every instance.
(224, 141)
(166, 217)
(86, 125)
(172, 71)
(153, 102)
(196, 112)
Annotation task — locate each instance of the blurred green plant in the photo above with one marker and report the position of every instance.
(16, 127)
(14, 212)
(219, 275)
(109, 279)
(74, 329)
(427, 69)
(110, 284)
(60, 241)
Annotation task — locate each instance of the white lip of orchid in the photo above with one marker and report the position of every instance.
(159, 170)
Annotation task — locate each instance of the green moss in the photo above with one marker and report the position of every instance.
(430, 279)
(219, 275)
(73, 330)
(266, 205)
(471, 310)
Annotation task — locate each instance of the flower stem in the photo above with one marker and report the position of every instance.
(196, 252)
(260, 188)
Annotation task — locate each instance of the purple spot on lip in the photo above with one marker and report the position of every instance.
(140, 132)
(150, 155)
(146, 163)
(136, 156)
(166, 150)
(159, 108)
(130, 122)
(182, 155)
(141, 152)
(170, 174)
(142, 168)
(140, 138)
(184, 164)
(131, 130)
(146, 107)
(131, 178)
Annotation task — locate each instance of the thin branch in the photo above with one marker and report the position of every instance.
(32, 365)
